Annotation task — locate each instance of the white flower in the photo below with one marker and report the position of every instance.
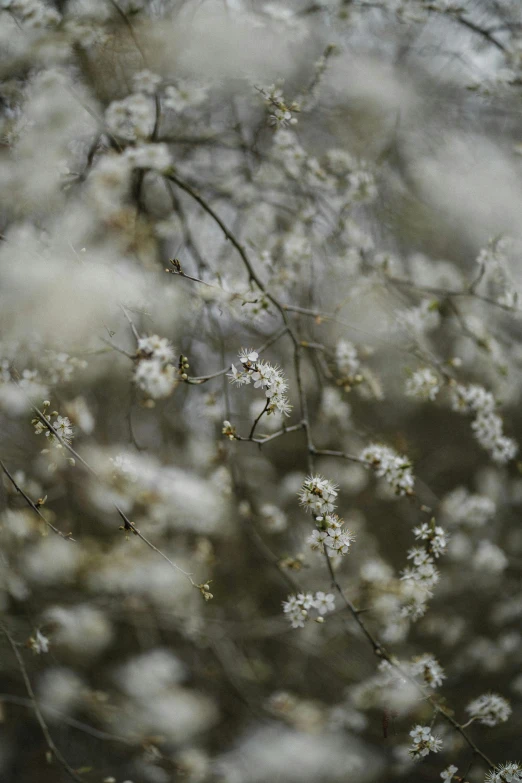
(423, 742)
(238, 377)
(131, 118)
(306, 600)
(424, 574)
(123, 467)
(429, 669)
(296, 613)
(347, 360)
(423, 384)
(39, 643)
(248, 356)
(324, 602)
(297, 607)
(489, 709)
(265, 376)
(146, 81)
(63, 427)
(280, 113)
(331, 534)
(157, 380)
(489, 558)
(274, 519)
(435, 535)
(61, 424)
(472, 398)
(510, 772)
(448, 773)
(466, 509)
(419, 320)
(154, 347)
(317, 538)
(487, 426)
(390, 466)
(317, 495)
(184, 95)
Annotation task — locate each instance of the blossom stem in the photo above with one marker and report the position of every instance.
(32, 504)
(39, 716)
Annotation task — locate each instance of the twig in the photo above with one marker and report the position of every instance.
(33, 505)
(39, 716)
(256, 422)
(127, 524)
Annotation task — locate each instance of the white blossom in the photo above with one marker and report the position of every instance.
(156, 379)
(347, 359)
(489, 709)
(131, 118)
(423, 742)
(423, 384)
(146, 81)
(39, 643)
(386, 463)
(154, 347)
(318, 495)
(184, 95)
(332, 534)
(264, 376)
(420, 320)
(448, 773)
(298, 607)
(510, 772)
(465, 508)
(427, 667)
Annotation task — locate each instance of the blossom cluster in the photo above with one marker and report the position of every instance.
(489, 709)
(348, 362)
(494, 269)
(422, 575)
(449, 773)
(419, 320)
(434, 536)
(464, 508)
(336, 172)
(423, 384)
(281, 113)
(423, 742)
(510, 772)
(154, 373)
(297, 607)
(109, 170)
(264, 376)
(60, 424)
(134, 117)
(487, 425)
(429, 669)
(318, 495)
(330, 533)
(387, 464)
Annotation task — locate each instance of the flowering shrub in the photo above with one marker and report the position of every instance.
(315, 578)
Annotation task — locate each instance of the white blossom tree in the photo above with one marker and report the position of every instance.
(260, 386)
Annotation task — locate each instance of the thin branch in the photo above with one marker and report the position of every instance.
(341, 454)
(127, 524)
(234, 241)
(256, 422)
(20, 701)
(262, 440)
(34, 506)
(382, 654)
(39, 716)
